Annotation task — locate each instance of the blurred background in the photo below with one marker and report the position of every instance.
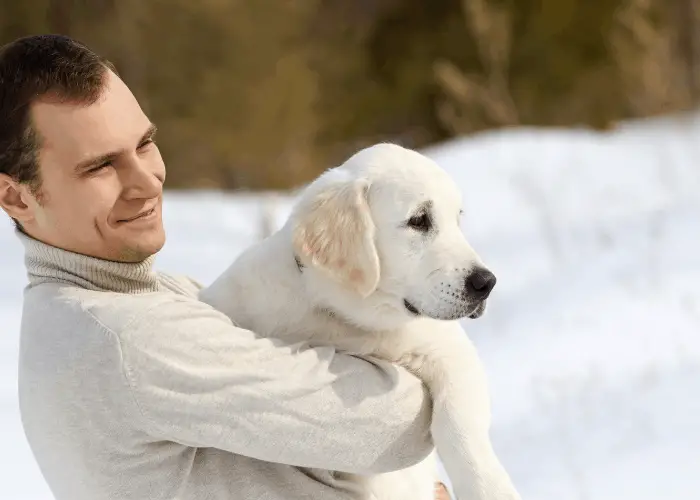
(571, 127)
(266, 93)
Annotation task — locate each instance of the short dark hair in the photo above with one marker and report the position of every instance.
(36, 67)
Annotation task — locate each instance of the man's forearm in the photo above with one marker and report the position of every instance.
(200, 380)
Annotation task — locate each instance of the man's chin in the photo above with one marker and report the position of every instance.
(133, 256)
(142, 250)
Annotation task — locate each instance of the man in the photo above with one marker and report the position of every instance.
(130, 387)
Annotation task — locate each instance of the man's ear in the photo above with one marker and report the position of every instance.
(334, 232)
(13, 199)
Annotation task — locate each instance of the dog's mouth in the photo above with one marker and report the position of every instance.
(411, 308)
(476, 311)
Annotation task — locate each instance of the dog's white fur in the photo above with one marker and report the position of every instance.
(360, 261)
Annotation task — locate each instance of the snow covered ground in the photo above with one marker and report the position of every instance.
(592, 338)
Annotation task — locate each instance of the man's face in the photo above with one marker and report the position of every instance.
(101, 177)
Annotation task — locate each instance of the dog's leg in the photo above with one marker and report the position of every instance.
(456, 379)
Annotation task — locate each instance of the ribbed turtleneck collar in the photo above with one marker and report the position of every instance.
(46, 263)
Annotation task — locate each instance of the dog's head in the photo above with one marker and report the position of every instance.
(384, 227)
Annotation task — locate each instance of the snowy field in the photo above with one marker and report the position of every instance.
(592, 337)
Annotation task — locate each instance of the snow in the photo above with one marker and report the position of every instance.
(592, 337)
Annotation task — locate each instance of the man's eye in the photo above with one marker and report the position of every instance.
(99, 167)
(420, 222)
(145, 143)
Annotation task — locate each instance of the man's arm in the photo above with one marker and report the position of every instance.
(201, 381)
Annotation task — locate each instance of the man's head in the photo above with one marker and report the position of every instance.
(78, 166)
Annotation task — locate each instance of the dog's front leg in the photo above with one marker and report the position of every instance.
(456, 379)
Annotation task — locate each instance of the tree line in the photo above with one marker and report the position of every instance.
(266, 94)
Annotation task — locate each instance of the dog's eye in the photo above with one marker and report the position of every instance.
(420, 222)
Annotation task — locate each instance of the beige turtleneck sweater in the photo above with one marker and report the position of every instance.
(131, 388)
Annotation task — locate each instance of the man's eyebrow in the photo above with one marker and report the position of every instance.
(98, 160)
(149, 134)
(107, 157)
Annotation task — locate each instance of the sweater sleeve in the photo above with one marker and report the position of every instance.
(201, 381)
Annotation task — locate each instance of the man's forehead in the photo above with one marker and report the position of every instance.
(85, 129)
(60, 124)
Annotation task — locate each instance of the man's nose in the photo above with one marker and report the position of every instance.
(142, 180)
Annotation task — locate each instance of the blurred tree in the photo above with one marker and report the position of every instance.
(228, 83)
(650, 68)
(266, 94)
(60, 15)
(489, 94)
(687, 19)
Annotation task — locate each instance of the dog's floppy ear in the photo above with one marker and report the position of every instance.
(334, 232)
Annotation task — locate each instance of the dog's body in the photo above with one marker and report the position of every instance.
(372, 262)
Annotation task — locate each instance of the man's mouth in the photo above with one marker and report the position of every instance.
(141, 215)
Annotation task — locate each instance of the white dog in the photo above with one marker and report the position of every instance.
(382, 269)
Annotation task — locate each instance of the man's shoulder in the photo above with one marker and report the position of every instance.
(180, 283)
(118, 313)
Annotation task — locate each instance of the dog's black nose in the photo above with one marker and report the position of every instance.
(479, 283)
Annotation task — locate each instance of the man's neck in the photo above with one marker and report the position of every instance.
(46, 263)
